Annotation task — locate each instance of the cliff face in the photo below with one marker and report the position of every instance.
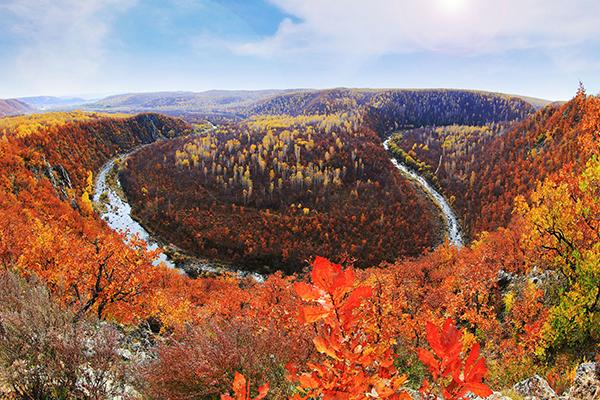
(81, 146)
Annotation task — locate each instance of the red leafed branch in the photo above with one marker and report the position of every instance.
(452, 374)
(356, 365)
(241, 389)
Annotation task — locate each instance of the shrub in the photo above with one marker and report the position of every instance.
(44, 354)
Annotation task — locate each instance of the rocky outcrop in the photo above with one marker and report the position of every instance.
(586, 386)
(59, 178)
(587, 383)
(535, 388)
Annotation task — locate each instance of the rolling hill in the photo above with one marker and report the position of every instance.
(212, 101)
(52, 102)
(14, 107)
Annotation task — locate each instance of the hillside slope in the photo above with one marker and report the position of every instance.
(483, 168)
(180, 102)
(14, 107)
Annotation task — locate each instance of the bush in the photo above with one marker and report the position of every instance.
(202, 362)
(44, 354)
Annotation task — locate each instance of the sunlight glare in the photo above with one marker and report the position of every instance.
(452, 6)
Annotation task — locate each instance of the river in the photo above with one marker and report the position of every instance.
(450, 220)
(112, 206)
(116, 211)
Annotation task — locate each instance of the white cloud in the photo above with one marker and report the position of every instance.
(377, 27)
(61, 42)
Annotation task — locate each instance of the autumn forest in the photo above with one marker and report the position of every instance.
(270, 246)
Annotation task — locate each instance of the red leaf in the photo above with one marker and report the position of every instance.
(324, 273)
(324, 346)
(262, 391)
(308, 292)
(353, 301)
(239, 386)
(473, 356)
(430, 362)
(477, 372)
(480, 389)
(434, 340)
(312, 314)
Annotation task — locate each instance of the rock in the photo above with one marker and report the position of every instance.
(125, 354)
(535, 388)
(498, 396)
(504, 279)
(493, 396)
(414, 394)
(586, 385)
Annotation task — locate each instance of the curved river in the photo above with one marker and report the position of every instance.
(116, 211)
(112, 205)
(452, 226)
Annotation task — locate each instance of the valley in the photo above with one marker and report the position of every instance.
(299, 200)
(294, 162)
(114, 209)
(319, 230)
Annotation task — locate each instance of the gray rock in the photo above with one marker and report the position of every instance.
(504, 279)
(535, 388)
(493, 396)
(498, 396)
(586, 385)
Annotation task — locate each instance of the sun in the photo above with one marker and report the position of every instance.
(452, 6)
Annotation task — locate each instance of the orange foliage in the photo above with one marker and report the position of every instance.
(241, 389)
(46, 232)
(356, 363)
(454, 375)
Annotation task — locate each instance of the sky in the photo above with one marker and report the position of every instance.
(539, 48)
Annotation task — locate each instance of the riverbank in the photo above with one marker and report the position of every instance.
(453, 228)
(110, 202)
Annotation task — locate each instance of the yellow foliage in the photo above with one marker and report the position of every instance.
(89, 182)
(86, 203)
(26, 125)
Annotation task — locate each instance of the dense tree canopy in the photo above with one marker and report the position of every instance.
(266, 192)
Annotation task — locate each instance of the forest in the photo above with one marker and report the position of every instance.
(267, 190)
(84, 313)
(273, 191)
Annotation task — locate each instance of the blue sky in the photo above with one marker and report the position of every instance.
(541, 48)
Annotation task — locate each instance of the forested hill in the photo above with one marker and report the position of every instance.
(483, 167)
(212, 101)
(442, 106)
(397, 107)
(14, 107)
(77, 142)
